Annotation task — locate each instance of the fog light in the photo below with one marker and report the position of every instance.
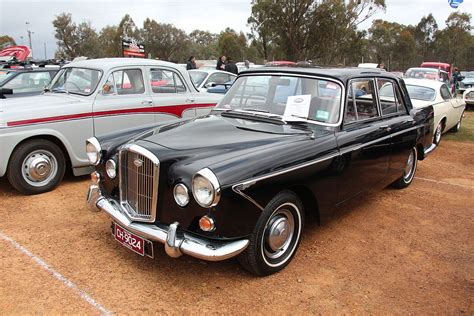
(111, 168)
(181, 195)
(206, 223)
(95, 177)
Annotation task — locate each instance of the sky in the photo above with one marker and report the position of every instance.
(213, 16)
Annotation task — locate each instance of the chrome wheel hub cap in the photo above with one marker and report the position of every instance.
(39, 168)
(410, 165)
(438, 133)
(279, 233)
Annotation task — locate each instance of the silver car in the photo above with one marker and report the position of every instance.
(43, 135)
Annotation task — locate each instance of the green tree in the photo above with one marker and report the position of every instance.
(233, 44)
(110, 39)
(203, 44)
(6, 41)
(424, 35)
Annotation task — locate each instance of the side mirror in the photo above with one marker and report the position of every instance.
(4, 91)
(210, 85)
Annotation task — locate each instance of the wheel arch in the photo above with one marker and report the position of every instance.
(309, 200)
(52, 138)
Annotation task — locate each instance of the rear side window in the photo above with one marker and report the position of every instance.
(445, 94)
(389, 97)
(361, 101)
(127, 81)
(166, 81)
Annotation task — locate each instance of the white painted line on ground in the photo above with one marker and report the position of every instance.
(447, 183)
(57, 275)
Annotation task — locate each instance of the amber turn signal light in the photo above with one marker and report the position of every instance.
(206, 223)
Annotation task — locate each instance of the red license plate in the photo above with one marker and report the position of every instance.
(129, 240)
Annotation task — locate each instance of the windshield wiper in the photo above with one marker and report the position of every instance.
(255, 110)
(58, 90)
(254, 116)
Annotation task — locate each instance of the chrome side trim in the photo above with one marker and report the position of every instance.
(248, 183)
(237, 189)
(176, 243)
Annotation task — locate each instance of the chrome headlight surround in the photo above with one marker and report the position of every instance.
(205, 180)
(111, 168)
(93, 151)
(181, 194)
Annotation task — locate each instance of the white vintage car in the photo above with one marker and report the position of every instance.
(468, 97)
(43, 135)
(448, 110)
(206, 78)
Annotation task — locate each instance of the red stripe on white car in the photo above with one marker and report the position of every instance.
(176, 110)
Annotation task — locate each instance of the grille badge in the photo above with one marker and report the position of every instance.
(138, 162)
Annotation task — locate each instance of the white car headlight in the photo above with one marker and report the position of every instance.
(93, 151)
(206, 188)
(111, 168)
(181, 195)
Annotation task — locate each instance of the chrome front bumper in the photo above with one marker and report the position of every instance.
(176, 243)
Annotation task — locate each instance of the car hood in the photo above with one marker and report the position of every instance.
(38, 106)
(233, 148)
(216, 131)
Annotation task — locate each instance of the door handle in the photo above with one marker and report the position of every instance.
(386, 127)
(149, 102)
(190, 100)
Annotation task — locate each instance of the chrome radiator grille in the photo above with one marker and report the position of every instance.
(139, 177)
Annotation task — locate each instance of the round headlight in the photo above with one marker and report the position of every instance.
(206, 189)
(111, 168)
(181, 195)
(93, 151)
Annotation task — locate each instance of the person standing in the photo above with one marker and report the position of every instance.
(191, 64)
(456, 78)
(231, 66)
(221, 63)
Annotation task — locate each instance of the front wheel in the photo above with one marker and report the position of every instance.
(437, 134)
(36, 166)
(276, 236)
(409, 171)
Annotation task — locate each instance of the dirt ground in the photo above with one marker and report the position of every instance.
(400, 252)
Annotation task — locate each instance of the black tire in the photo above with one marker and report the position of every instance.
(284, 210)
(437, 134)
(409, 173)
(457, 127)
(37, 152)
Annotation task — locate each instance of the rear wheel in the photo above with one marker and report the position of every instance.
(276, 235)
(437, 134)
(36, 166)
(409, 172)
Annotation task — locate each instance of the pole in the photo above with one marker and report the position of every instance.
(45, 51)
(29, 37)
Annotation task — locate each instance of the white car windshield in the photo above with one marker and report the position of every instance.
(81, 81)
(421, 93)
(197, 77)
(292, 98)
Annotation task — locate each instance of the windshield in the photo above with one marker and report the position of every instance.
(197, 77)
(467, 75)
(421, 93)
(292, 98)
(76, 80)
(422, 73)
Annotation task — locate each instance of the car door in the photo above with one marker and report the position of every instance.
(364, 141)
(453, 108)
(402, 126)
(123, 101)
(170, 95)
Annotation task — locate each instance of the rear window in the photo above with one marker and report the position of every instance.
(421, 93)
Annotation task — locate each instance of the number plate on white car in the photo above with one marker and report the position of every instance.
(129, 240)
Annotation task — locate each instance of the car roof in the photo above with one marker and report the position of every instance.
(108, 63)
(434, 84)
(342, 74)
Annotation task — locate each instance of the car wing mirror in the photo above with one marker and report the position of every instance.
(107, 89)
(4, 91)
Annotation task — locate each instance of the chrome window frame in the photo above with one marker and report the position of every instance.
(338, 82)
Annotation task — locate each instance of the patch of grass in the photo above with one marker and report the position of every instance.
(466, 133)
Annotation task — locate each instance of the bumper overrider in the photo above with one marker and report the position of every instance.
(176, 242)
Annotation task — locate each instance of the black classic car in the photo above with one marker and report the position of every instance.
(283, 144)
